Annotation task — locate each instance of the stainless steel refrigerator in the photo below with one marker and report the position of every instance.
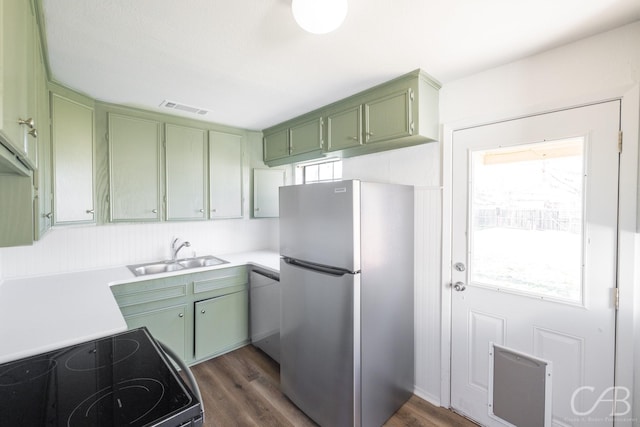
(346, 275)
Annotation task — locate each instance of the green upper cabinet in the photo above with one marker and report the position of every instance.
(43, 201)
(73, 161)
(306, 136)
(225, 175)
(276, 145)
(344, 128)
(18, 126)
(186, 165)
(134, 168)
(399, 113)
(266, 192)
(389, 117)
(297, 140)
(16, 210)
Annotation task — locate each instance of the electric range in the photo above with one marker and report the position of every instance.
(121, 380)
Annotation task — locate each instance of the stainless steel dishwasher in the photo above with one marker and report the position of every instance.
(264, 300)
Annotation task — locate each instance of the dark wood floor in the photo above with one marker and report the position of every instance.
(242, 388)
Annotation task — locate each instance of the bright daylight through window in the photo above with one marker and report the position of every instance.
(527, 218)
(320, 172)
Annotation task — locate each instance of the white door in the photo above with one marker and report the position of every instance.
(534, 261)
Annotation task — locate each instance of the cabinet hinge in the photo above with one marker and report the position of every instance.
(411, 94)
(106, 136)
(616, 298)
(619, 141)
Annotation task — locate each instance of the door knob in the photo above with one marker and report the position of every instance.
(459, 286)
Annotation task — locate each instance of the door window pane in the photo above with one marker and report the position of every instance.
(527, 218)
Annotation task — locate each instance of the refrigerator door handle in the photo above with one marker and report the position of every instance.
(334, 271)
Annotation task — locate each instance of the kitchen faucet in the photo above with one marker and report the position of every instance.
(175, 248)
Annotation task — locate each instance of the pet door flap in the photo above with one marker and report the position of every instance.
(519, 388)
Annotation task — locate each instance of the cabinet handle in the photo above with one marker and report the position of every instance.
(202, 312)
(33, 132)
(47, 215)
(29, 122)
(355, 138)
(181, 315)
(213, 210)
(154, 210)
(90, 211)
(201, 210)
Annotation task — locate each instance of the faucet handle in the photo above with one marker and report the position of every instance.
(174, 242)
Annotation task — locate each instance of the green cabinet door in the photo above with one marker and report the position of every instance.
(30, 141)
(42, 177)
(221, 324)
(186, 165)
(225, 175)
(72, 124)
(344, 128)
(16, 211)
(134, 168)
(167, 325)
(17, 58)
(389, 117)
(266, 192)
(276, 145)
(306, 136)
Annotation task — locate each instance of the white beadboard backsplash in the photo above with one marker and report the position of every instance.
(74, 248)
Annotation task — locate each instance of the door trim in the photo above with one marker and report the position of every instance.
(628, 225)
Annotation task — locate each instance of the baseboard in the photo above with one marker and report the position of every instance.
(434, 400)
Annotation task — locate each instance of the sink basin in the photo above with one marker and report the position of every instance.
(203, 261)
(168, 266)
(155, 268)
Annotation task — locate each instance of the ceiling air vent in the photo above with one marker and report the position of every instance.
(182, 107)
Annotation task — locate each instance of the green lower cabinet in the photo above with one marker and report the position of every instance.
(222, 324)
(167, 325)
(199, 315)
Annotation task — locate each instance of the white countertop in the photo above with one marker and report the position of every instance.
(39, 314)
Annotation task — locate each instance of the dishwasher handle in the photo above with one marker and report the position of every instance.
(271, 276)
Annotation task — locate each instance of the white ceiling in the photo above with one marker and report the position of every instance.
(251, 66)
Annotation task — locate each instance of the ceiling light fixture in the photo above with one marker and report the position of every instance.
(319, 16)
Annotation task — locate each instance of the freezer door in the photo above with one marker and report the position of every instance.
(320, 223)
(317, 339)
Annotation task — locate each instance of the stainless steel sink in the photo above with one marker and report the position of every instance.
(168, 266)
(203, 261)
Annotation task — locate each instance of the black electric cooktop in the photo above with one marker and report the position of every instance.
(121, 380)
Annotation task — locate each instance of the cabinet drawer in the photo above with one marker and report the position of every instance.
(220, 279)
(144, 292)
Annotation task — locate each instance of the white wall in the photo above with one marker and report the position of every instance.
(89, 247)
(418, 166)
(580, 72)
